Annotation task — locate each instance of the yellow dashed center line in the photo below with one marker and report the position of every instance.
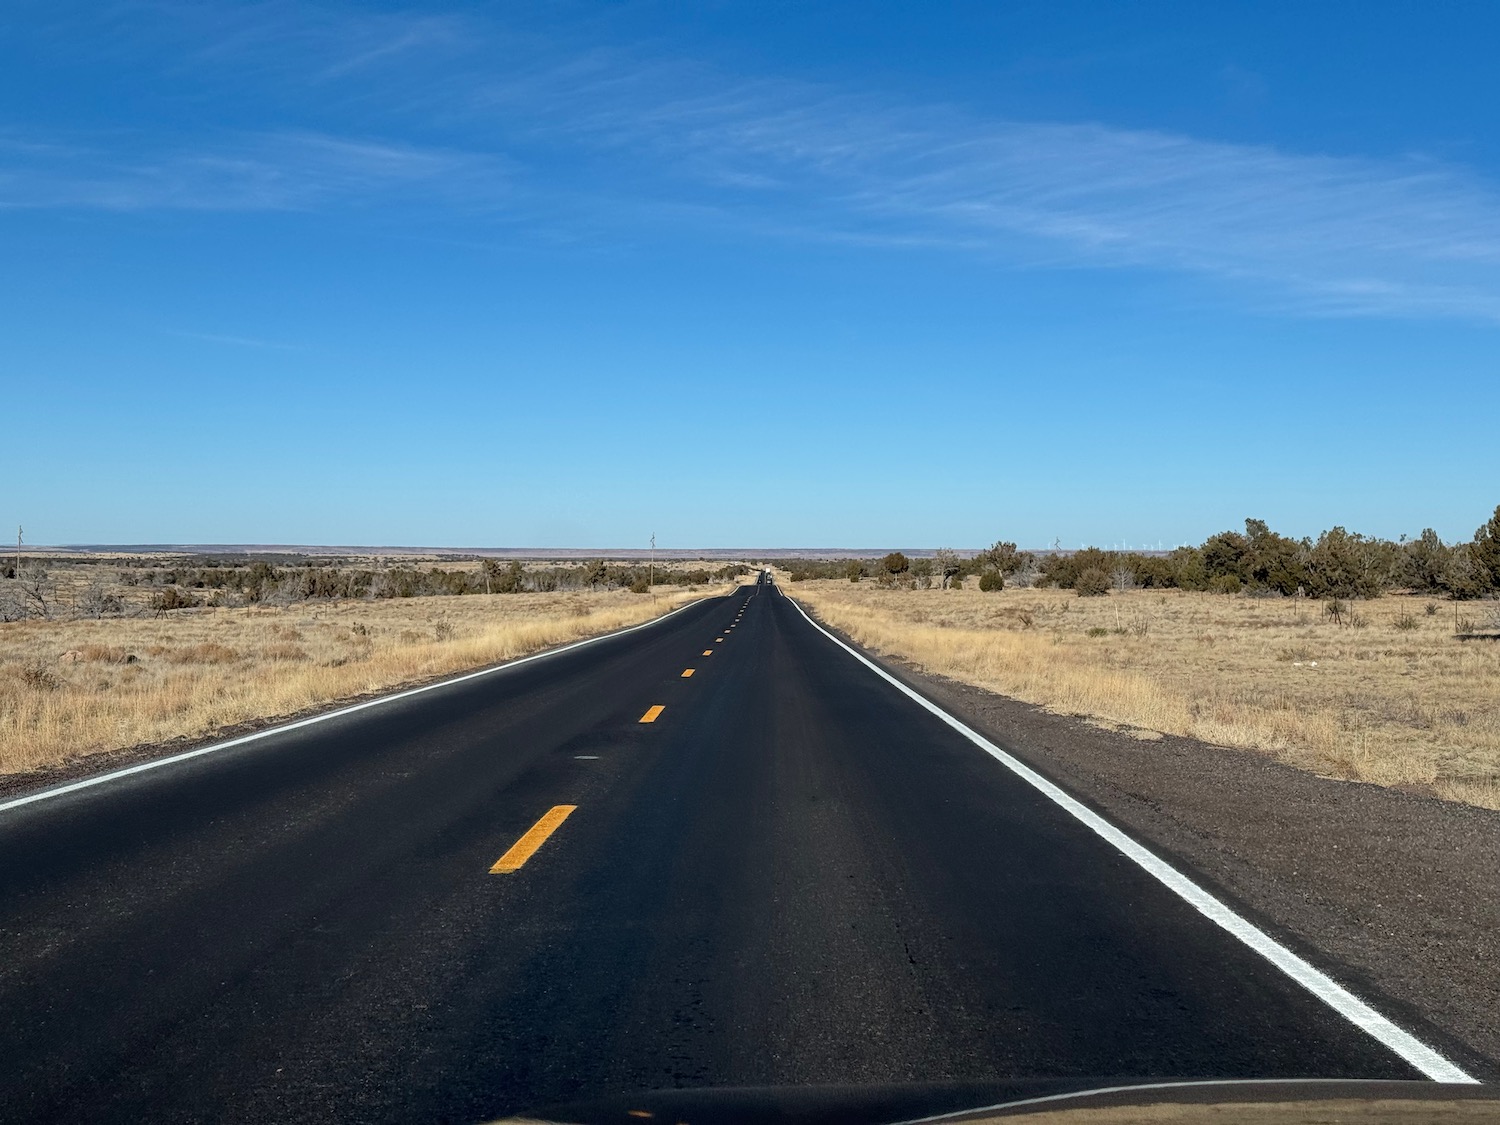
(708, 652)
(524, 848)
(686, 672)
(652, 714)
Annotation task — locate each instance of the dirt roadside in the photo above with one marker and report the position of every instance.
(1397, 895)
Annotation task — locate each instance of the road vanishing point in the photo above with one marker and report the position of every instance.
(721, 849)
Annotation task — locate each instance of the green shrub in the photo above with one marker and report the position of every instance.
(1486, 553)
(1091, 583)
(1188, 570)
(1225, 584)
(639, 586)
(991, 580)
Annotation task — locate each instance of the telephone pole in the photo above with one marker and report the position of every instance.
(19, 529)
(651, 580)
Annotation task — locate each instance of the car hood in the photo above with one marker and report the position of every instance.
(1053, 1102)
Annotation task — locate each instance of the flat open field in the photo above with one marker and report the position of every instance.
(70, 688)
(1387, 696)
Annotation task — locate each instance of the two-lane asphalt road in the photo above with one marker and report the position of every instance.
(791, 874)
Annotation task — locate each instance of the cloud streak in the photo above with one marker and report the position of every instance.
(1321, 233)
(280, 171)
(237, 341)
(544, 119)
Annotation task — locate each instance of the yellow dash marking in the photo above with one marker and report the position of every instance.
(639, 1112)
(718, 640)
(686, 672)
(524, 848)
(652, 714)
(708, 652)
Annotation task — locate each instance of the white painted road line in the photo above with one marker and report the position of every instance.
(157, 763)
(1434, 1065)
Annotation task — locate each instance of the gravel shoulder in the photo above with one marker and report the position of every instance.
(1396, 894)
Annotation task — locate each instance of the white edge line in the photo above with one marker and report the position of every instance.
(1434, 1065)
(282, 728)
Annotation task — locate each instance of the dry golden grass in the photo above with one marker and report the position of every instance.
(1393, 699)
(73, 688)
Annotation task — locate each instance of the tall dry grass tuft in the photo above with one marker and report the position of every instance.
(73, 688)
(1384, 695)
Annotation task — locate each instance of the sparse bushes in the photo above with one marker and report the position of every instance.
(31, 593)
(172, 598)
(991, 581)
(283, 583)
(1261, 562)
(947, 565)
(97, 602)
(1005, 560)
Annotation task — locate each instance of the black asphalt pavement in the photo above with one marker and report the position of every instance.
(794, 875)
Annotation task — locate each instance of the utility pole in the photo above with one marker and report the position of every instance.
(19, 529)
(651, 580)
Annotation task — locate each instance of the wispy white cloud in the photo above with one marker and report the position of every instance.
(1316, 232)
(238, 341)
(619, 136)
(284, 171)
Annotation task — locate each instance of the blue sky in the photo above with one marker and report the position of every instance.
(769, 274)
